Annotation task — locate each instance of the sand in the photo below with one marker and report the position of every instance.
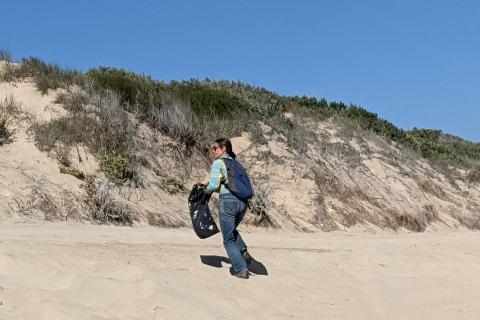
(74, 271)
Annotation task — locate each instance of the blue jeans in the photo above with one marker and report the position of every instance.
(231, 212)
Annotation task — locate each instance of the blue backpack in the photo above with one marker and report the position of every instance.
(238, 182)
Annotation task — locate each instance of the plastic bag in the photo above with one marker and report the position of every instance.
(202, 220)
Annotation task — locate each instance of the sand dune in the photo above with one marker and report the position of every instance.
(73, 271)
(77, 271)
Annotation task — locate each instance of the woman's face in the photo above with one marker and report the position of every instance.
(218, 151)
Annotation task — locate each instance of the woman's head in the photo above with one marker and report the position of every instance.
(223, 146)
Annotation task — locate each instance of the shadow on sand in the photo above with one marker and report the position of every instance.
(256, 267)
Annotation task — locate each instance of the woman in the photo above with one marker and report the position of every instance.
(231, 209)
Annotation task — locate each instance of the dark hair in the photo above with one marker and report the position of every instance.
(224, 142)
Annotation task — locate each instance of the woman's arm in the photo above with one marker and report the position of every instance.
(215, 176)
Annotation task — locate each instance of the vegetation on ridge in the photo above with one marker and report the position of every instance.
(235, 102)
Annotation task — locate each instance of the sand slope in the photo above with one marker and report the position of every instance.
(71, 271)
(344, 180)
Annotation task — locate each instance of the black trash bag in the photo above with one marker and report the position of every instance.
(203, 223)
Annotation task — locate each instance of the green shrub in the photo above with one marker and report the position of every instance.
(9, 109)
(260, 101)
(118, 169)
(473, 176)
(168, 183)
(207, 101)
(73, 172)
(6, 135)
(5, 55)
(134, 89)
(433, 144)
(370, 121)
(173, 185)
(310, 102)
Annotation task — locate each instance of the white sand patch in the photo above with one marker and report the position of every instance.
(42, 107)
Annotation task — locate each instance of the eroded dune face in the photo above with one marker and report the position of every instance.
(339, 181)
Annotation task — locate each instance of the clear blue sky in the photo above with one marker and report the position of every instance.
(414, 63)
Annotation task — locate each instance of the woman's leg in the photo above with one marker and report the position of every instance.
(229, 209)
(241, 245)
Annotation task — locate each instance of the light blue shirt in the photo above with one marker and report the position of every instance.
(217, 173)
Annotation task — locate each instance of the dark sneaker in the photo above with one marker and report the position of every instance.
(241, 275)
(248, 258)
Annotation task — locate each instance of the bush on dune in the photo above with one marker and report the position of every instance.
(135, 90)
(6, 135)
(9, 110)
(47, 75)
(5, 55)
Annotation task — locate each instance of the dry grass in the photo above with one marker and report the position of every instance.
(329, 184)
(74, 100)
(343, 151)
(297, 136)
(102, 205)
(42, 204)
(352, 215)
(8, 72)
(269, 157)
(45, 75)
(430, 187)
(174, 119)
(473, 176)
(260, 207)
(322, 218)
(256, 135)
(359, 207)
(417, 222)
(472, 223)
(63, 156)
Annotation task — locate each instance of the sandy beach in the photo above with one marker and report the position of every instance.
(75, 271)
